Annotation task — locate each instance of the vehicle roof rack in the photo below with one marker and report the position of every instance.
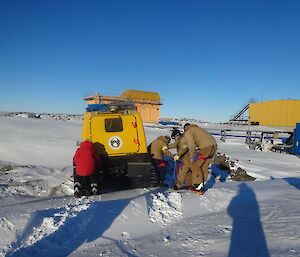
(121, 106)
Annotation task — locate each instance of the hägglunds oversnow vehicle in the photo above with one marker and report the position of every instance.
(117, 131)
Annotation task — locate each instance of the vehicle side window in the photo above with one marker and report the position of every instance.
(113, 125)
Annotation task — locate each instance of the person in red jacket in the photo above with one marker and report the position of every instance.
(87, 163)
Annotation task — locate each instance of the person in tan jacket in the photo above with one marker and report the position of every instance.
(158, 148)
(202, 149)
(184, 174)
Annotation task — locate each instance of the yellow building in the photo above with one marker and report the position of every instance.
(283, 113)
(147, 103)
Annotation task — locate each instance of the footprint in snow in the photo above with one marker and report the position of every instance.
(165, 208)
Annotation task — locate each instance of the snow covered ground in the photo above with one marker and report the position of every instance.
(39, 216)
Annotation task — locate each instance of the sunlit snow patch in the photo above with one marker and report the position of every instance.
(51, 224)
(165, 209)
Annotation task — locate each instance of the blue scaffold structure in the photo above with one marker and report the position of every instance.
(296, 148)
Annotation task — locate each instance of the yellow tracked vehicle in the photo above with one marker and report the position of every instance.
(117, 132)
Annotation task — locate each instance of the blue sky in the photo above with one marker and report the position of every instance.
(204, 58)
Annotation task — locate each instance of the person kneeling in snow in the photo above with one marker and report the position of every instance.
(87, 163)
(159, 148)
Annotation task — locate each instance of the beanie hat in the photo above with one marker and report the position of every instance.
(175, 133)
(185, 125)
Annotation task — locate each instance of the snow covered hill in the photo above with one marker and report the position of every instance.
(39, 216)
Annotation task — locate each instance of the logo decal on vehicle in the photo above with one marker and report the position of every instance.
(115, 143)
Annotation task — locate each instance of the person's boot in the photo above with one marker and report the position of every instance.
(177, 186)
(94, 188)
(198, 189)
(163, 185)
(77, 190)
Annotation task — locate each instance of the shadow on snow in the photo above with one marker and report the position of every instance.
(295, 182)
(247, 236)
(87, 226)
(216, 173)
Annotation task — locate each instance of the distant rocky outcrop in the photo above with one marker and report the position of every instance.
(236, 173)
(48, 116)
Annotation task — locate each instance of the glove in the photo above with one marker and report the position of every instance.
(164, 148)
(175, 157)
